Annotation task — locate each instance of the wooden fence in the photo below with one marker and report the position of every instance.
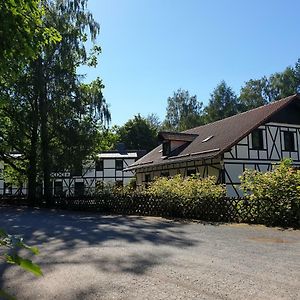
(219, 210)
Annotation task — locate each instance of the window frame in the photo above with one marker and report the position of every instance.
(289, 134)
(7, 187)
(118, 167)
(260, 133)
(148, 177)
(166, 148)
(99, 166)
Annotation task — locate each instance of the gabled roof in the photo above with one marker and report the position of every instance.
(218, 137)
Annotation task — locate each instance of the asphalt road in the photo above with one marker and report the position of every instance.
(92, 256)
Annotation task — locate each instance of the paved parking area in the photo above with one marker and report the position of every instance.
(92, 256)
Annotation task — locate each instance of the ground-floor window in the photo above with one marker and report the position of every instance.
(7, 189)
(58, 188)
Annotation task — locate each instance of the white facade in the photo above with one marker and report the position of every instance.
(243, 155)
(107, 169)
(228, 167)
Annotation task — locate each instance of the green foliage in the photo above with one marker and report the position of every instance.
(254, 94)
(22, 32)
(10, 175)
(183, 112)
(9, 246)
(138, 134)
(48, 115)
(276, 194)
(222, 103)
(187, 188)
(268, 89)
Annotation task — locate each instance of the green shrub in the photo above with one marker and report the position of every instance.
(187, 188)
(274, 195)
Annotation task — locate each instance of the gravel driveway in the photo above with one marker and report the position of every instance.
(92, 256)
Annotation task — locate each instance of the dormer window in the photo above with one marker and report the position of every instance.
(166, 148)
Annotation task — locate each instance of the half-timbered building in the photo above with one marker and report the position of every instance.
(256, 139)
(108, 169)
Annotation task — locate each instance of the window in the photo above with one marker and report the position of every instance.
(99, 165)
(165, 174)
(166, 147)
(58, 188)
(119, 164)
(289, 141)
(257, 139)
(190, 172)
(147, 177)
(79, 189)
(7, 189)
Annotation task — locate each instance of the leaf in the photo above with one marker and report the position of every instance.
(2, 233)
(6, 296)
(26, 264)
(34, 250)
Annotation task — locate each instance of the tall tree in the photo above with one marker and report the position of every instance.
(22, 33)
(222, 103)
(268, 89)
(60, 114)
(138, 134)
(183, 112)
(254, 94)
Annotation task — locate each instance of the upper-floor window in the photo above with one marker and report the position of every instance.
(257, 139)
(166, 147)
(119, 164)
(99, 165)
(289, 141)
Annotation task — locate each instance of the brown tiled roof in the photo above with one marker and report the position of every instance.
(225, 133)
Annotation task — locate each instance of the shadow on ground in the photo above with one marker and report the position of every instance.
(60, 235)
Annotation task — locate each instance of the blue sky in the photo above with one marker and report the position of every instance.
(151, 48)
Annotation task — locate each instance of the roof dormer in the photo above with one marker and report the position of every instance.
(174, 140)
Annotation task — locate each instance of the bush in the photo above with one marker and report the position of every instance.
(187, 188)
(274, 195)
(187, 196)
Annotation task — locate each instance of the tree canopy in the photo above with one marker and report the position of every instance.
(138, 133)
(257, 92)
(49, 115)
(222, 103)
(183, 112)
